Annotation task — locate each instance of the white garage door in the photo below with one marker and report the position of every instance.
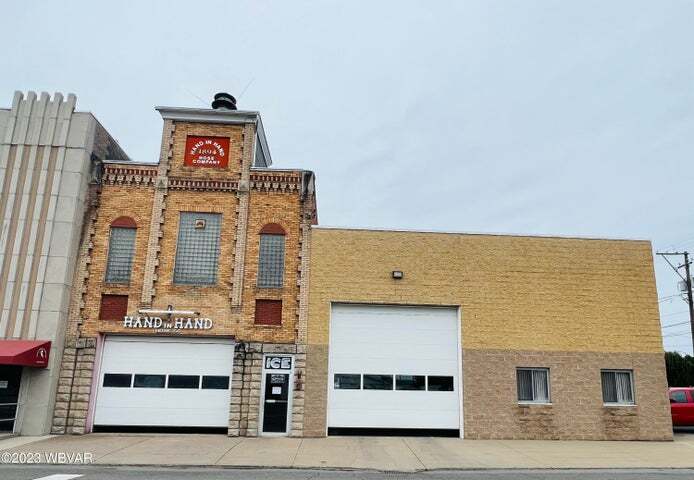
(179, 382)
(393, 367)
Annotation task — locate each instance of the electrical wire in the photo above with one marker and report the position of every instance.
(675, 324)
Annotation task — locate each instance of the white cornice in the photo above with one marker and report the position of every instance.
(208, 115)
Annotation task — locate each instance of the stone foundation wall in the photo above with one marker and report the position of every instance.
(246, 395)
(74, 387)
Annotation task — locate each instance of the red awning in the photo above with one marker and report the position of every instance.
(29, 353)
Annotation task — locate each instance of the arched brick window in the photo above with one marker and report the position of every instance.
(121, 250)
(271, 256)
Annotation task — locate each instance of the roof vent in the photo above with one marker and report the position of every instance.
(224, 101)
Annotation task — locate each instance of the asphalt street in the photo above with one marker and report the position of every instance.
(26, 472)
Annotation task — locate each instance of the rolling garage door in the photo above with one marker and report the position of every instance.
(393, 367)
(164, 382)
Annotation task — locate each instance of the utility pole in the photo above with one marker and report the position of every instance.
(688, 282)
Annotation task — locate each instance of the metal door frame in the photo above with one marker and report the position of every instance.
(19, 404)
(290, 395)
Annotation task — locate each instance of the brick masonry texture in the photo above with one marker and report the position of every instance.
(235, 135)
(520, 293)
(517, 294)
(154, 196)
(491, 409)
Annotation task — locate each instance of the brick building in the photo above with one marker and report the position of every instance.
(190, 300)
(193, 305)
(484, 336)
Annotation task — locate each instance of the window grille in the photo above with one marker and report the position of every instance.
(533, 385)
(197, 250)
(617, 387)
(271, 261)
(121, 249)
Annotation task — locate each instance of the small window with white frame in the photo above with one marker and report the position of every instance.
(533, 385)
(617, 387)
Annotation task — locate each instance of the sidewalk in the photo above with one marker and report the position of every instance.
(378, 453)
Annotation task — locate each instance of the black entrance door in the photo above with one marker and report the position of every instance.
(276, 402)
(10, 376)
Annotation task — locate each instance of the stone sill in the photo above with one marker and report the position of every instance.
(534, 404)
(259, 325)
(619, 405)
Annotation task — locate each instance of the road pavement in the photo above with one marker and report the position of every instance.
(26, 472)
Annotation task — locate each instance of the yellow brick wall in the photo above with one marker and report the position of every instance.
(211, 301)
(183, 129)
(116, 201)
(520, 293)
(285, 210)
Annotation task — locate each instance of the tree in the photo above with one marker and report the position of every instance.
(680, 369)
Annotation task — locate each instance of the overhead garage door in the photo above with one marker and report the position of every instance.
(172, 382)
(393, 367)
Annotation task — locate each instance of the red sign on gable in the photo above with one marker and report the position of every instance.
(212, 152)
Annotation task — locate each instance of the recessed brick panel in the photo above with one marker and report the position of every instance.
(113, 307)
(268, 312)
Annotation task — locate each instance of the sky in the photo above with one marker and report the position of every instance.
(533, 117)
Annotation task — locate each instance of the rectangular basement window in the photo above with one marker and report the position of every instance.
(410, 382)
(617, 387)
(378, 382)
(117, 380)
(347, 381)
(149, 381)
(215, 382)
(439, 383)
(184, 381)
(533, 385)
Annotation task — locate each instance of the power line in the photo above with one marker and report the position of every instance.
(675, 324)
(673, 313)
(662, 299)
(687, 283)
(675, 334)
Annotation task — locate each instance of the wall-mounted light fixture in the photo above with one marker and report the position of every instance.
(397, 274)
(168, 311)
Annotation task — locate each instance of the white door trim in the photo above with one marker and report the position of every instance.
(144, 339)
(455, 353)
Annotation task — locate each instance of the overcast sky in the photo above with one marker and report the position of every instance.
(538, 117)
